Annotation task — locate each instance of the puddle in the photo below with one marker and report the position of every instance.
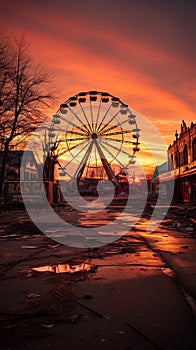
(63, 268)
(29, 247)
(168, 272)
(93, 222)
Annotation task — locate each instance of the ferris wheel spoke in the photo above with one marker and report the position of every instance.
(108, 123)
(78, 118)
(117, 133)
(76, 139)
(116, 148)
(95, 159)
(98, 113)
(80, 169)
(105, 115)
(121, 141)
(75, 133)
(71, 148)
(92, 121)
(106, 165)
(88, 166)
(96, 163)
(110, 153)
(76, 155)
(76, 126)
(114, 126)
(89, 126)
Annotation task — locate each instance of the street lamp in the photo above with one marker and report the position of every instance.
(178, 166)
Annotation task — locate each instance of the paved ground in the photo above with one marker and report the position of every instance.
(136, 293)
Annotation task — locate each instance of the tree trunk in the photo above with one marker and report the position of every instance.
(2, 170)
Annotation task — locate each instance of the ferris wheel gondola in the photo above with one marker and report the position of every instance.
(94, 132)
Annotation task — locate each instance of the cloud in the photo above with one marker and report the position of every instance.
(143, 52)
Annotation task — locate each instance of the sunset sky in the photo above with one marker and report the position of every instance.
(142, 51)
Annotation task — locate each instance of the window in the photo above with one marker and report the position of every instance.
(185, 155)
(194, 149)
(172, 162)
(181, 158)
(177, 159)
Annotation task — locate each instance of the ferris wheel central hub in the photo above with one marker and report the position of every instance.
(94, 136)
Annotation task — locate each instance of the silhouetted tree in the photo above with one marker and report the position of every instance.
(24, 94)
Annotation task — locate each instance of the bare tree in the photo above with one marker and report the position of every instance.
(24, 95)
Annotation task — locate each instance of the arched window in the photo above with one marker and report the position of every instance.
(185, 155)
(181, 158)
(172, 162)
(177, 159)
(194, 149)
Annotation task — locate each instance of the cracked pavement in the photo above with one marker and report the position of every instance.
(137, 293)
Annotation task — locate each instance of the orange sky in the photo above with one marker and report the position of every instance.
(141, 51)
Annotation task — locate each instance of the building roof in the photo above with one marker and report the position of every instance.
(183, 132)
(160, 169)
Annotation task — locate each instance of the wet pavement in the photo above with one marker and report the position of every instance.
(138, 292)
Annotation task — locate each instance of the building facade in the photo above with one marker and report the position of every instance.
(23, 172)
(14, 171)
(181, 165)
(17, 173)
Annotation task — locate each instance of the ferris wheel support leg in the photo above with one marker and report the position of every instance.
(110, 174)
(80, 169)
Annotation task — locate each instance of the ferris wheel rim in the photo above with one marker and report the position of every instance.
(86, 131)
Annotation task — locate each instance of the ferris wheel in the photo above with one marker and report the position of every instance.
(94, 135)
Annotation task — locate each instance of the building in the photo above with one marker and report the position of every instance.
(14, 172)
(27, 175)
(181, 165)
(155, 188)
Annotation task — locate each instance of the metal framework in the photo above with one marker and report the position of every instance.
(94, 131)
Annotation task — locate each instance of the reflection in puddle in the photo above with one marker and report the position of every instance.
(93, 222)
(63, 268)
